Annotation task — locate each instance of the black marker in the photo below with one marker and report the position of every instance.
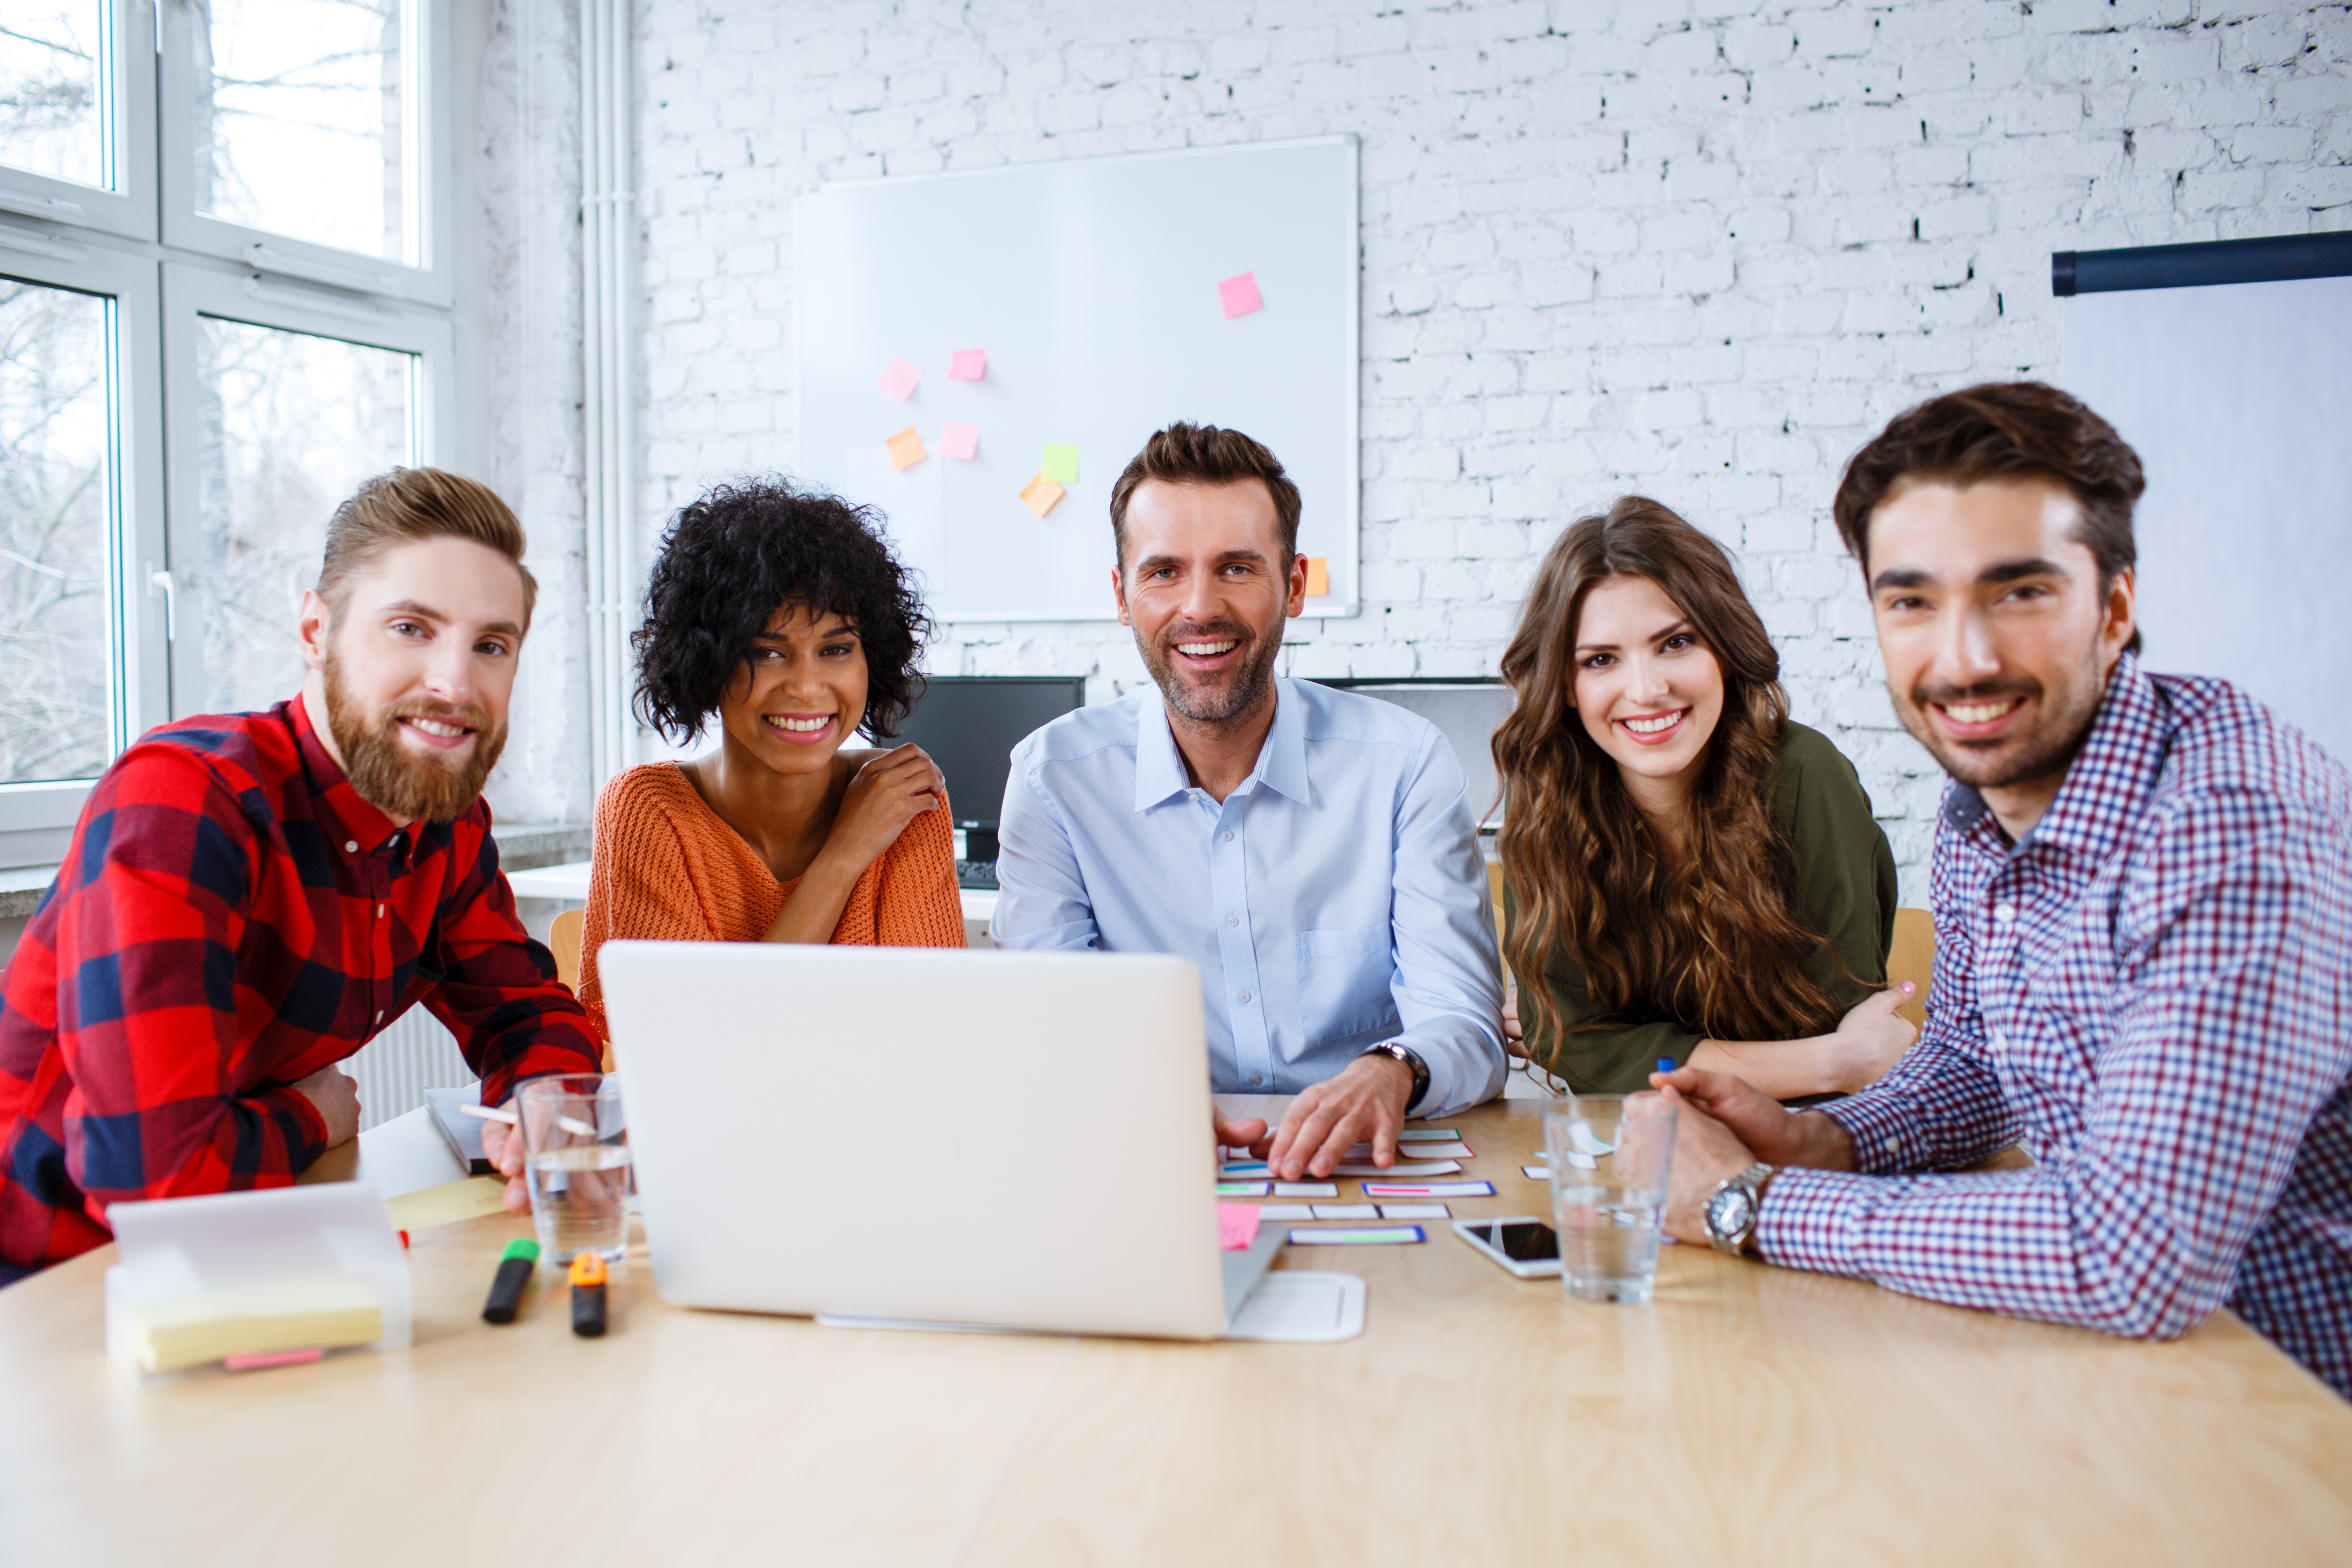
(515, 1267)
(587, 1294)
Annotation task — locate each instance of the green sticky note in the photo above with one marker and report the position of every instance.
(1062, 464)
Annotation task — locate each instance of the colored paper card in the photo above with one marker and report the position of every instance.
(1240, 1189)
(1438, 1151)
(1061, 465)
(959, 441)
(1428, 1135)
(1429, 1189)
(906, 448)
(1039, 495)
(899, 379)
(1318, 576)
(1243, 1170)
(1359, 1235)
(1536, 1172)
(1236, 1226)
(1306, 1189)
(968, 365)
(1286, 1211)
(1402, 1168)
(1415, 1211)
(1347, 1211)
(1239, 295)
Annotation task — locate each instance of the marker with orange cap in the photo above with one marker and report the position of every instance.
(587, 1294)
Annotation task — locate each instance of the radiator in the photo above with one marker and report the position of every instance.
(397, 1066)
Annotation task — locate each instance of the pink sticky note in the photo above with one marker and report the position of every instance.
(968, 365)
(959, 441)
(899, 377)
(1240, 295)
(1236, 1226)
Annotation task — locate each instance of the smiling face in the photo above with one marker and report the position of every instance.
(801, 693)
(1206, 586)
(1998, 634)
(1649, 691)
(414, 668)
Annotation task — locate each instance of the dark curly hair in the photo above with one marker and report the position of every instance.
(730, 559)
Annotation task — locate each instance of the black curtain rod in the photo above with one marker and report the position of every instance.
(2267, 260)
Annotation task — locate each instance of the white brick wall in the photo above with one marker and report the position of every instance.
(1700, 249)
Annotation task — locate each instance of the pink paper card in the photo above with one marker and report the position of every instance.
(1240, 295)
(1236, 1226)
(898, 378)
(906, 448)
(968, 365)
(959, 441)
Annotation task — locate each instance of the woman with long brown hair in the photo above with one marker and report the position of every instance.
(1688, 875)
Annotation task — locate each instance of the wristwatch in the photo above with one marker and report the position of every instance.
(1407, 1056)
(1732, 1207)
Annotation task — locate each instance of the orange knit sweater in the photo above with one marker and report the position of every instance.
(667, 868)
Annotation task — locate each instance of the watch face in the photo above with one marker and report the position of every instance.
(1730, 1212)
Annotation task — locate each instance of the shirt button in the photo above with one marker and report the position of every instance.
(1232, 919)
(379, 911)
(351, 846)
(1257, 1078)
(1229, 835)
(1244, 996)
(379, 1015)
(2004, 913)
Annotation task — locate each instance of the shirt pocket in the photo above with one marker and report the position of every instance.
(1343, 983)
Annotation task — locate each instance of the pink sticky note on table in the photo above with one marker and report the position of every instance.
(959, 441)
(968, 365)
(898, 378)
(1236, 1226)
(1240, 295)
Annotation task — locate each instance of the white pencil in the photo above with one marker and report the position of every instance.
(488, 1114)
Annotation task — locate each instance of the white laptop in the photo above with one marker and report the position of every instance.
(925, 1136)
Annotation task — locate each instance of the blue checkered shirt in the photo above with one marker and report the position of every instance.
(2152, 994)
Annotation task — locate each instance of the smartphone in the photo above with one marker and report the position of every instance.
(1520, 1244)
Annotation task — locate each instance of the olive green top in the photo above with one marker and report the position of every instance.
(1844, 888)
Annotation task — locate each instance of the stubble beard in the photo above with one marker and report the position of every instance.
(400, 784)
(2043, 751)
(1210, 705)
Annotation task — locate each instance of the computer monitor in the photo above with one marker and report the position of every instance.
(1465, 712)
(969, 724)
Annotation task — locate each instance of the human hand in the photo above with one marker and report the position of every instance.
(1706, 1155)
(336, 1097)
(888, 792)
(502, 1147)
(1778, 1136)
(1250, 1132)
(1364, 1100)
(1514, 1037)
(1871, 1038)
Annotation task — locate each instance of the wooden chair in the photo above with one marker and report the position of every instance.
(563, 941)
(1912, 956)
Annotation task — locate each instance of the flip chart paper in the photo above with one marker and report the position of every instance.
(1358, 1236)
(898, 378)
(1402, 1168)
(960, 441)
(1306, 1189)
(1239, 295)
(906, 448)
(1429, 1189)
(1061, 465)
(1319, 575)
(1236, 1226)
(1039, 495)
(968, 365)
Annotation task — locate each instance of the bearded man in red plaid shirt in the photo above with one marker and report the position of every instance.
(250, 898)
(2143, 903)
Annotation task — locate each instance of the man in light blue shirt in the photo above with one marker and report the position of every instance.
(1313, 852)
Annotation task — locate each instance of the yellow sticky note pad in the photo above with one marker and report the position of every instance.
(907, 449)
(1061, 465)
(1040, 495)
(1319, 575)
(469, 1199)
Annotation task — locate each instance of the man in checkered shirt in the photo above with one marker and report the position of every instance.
(2143, 901)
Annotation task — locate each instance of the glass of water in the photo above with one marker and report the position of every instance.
(1610, 1157)
(576, 1154)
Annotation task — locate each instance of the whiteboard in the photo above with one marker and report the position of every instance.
(2238, 399)
(1092, 285)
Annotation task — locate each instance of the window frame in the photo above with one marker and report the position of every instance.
(427, 165)
(192, 292)
(37, 818)
(129, 208)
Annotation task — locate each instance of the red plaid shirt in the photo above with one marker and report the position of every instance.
(232, 916)
(2153, 993)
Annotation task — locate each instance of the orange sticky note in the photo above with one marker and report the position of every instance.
(1040, 495)
(1319, 575)
(1236, 1226)
(907, 449)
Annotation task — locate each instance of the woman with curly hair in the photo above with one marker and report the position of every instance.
(1689, 876)
(780, 613)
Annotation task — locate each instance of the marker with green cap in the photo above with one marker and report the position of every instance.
(515, 1265)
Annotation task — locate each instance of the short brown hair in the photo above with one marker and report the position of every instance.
(407, 506)
(1204, 455)
(2003, 430)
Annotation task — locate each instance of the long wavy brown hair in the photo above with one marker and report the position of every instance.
(1709, 940)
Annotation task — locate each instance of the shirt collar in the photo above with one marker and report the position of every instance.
(1159, 771)
(2105, 782)
(359, 822)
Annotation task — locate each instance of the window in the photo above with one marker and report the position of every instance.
(201, 351)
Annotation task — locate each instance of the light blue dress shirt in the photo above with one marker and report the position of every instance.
(1335, 900)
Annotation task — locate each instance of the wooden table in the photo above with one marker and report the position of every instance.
(1748, 1416)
